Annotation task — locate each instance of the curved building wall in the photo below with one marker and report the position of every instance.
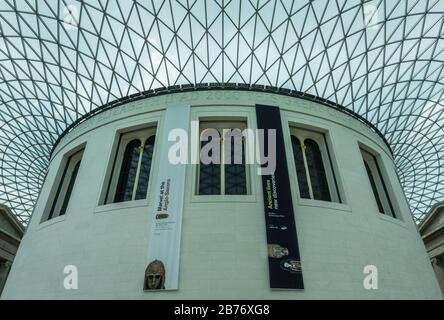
(223, 251)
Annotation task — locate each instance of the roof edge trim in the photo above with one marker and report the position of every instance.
(217, 86)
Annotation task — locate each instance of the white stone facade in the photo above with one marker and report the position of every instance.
(223, 246)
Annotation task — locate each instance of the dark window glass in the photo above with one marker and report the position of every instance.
(72, 180)
(209, 175)
(374, 188)
(316, 170)
(145, 168)
(235, 174)
(66, 185)
(128, 171)
(300, 168)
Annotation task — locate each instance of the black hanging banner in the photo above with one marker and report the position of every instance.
(283, 249)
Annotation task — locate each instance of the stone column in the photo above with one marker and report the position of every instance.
(438, 266)
(4, 271)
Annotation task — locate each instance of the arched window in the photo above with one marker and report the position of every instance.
(130, 173)
(72, 180)
(373, 185)
(227, 174)
(377, 184)
(209, 175)
(71, 165)
(314, 170)
(300, 168)
(235, 173)
(145, 168)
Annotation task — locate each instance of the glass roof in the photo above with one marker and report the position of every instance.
(62, 59)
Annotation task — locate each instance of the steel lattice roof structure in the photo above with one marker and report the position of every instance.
(60, 60)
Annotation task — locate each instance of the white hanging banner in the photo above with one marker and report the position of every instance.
(162, 271)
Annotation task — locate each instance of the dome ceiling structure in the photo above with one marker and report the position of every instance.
(60, 60)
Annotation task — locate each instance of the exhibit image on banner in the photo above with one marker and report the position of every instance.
(162, 271)
(283, 251)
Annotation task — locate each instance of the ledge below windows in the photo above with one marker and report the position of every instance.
(324, 204)
(50, 222)
(250, 198)
(393, 220)
(121, 206)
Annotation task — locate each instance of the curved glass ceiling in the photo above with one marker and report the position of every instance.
(61, 59)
